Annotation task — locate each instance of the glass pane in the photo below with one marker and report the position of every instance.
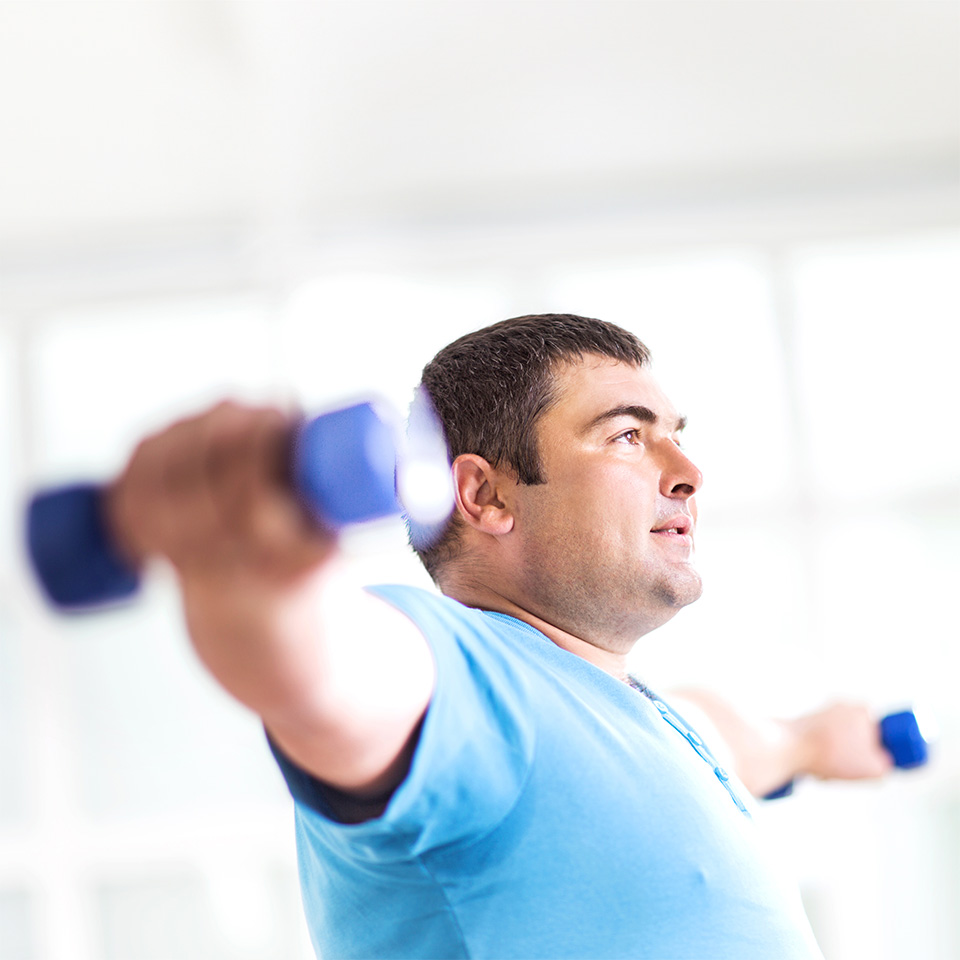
(105, 376)
(709, 324)
(13, 801)
(886, 610)
(17, 926)
(356, 334)
(255, 910)
(155, 919)
(10, 523)
(154, 732)
(243, 911)
(878, 341)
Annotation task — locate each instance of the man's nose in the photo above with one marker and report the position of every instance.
(680, 476)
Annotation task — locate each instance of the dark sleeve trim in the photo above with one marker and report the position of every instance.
(330, 802)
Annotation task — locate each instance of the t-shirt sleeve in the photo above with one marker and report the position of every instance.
(474, 750)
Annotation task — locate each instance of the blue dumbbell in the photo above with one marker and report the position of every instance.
(345, 467)
(902, 738)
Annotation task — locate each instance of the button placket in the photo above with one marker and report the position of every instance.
(703, 752)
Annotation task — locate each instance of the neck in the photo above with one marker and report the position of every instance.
(483, 597)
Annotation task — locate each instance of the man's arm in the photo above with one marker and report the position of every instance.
(839, 742)
(340, 678)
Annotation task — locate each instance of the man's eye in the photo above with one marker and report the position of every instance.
(630, 436)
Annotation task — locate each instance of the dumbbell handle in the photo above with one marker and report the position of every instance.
(901, 737)
(343, 469)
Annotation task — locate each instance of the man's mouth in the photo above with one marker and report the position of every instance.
(677, 526)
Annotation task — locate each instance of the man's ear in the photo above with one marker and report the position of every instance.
(479, 490)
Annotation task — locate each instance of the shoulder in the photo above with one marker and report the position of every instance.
(450, 627)
(428, 605)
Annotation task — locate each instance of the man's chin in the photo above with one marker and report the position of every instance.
(682, 588)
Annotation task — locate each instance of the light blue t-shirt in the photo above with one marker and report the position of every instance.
(550, 811)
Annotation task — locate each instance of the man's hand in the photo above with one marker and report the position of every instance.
(840, 742)
(210, 493)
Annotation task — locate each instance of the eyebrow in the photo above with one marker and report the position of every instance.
(638, 412)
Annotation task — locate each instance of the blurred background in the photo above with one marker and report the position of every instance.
(301, 202)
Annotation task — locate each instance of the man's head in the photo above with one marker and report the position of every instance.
(575, 500)
(491, 388)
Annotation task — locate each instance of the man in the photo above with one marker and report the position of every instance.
(477, 774)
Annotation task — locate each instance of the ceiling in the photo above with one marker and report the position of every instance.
(121, 118)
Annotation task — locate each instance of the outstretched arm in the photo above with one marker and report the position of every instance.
(839, 742)
(340, 679)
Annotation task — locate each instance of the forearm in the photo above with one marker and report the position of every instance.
(263, 644)
(840, 741)
(764, 753)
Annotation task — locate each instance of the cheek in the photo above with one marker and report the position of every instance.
(611, 505)
(617, 516)
(625, 495)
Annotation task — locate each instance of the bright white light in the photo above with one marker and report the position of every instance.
(426, 491)
(352, 334)
(877, 340)
(241, 906)
(424, 482)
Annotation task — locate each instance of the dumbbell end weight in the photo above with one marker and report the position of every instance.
(69, 548)
(906, 738)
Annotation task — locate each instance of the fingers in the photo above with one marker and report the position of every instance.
(234, 476)
(210, 493)
(249, 486)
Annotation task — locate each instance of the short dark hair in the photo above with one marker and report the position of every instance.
(491, 387)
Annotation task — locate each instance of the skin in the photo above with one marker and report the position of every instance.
(585, 557)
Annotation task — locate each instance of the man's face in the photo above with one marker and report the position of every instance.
(606, 544)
